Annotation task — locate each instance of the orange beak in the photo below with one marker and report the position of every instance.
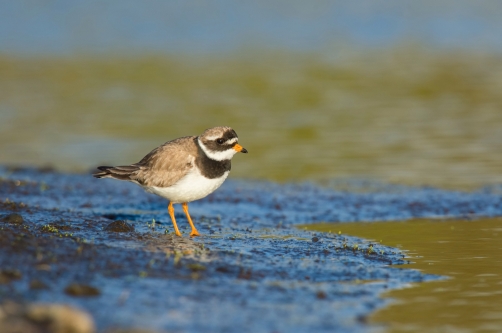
(239, 148)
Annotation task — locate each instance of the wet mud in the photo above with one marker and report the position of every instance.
(108, 248)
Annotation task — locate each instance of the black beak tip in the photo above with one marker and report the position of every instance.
(244, 150)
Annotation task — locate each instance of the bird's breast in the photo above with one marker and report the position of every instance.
(193, 186)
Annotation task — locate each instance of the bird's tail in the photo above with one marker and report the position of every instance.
(118, 172)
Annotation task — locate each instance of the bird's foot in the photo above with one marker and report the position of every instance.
(194, 233)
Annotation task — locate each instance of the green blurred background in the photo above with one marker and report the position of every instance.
(396, 91)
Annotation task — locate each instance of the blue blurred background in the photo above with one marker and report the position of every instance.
(399, 91)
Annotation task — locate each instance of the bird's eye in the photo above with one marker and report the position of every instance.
(220, 141)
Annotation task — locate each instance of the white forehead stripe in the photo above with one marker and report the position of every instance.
(217, 155)
(211, 138)
(229, 142)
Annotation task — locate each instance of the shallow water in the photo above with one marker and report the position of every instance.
(403, 115)
(405, 92)
(469, 253)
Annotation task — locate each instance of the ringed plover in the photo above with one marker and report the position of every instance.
(182, 170)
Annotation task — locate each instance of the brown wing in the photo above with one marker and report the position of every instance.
(167, 164)
(162, 167)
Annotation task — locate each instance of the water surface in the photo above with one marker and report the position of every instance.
(138, 27)
(403, 115)
(398, 91)
(469, 253)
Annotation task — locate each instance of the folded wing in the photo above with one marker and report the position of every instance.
(162, 167)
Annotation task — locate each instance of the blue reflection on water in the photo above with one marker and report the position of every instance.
(91, 26)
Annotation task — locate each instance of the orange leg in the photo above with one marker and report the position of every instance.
(170, 209)
(194, 231)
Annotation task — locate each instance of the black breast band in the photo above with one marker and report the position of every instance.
(210, 168)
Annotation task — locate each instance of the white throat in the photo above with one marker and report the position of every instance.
(217, 155)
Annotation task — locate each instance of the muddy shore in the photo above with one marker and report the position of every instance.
(108, 249)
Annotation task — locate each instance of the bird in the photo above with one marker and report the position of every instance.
(182, 170)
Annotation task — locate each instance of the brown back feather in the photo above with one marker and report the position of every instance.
(167, 164)
(162, 167)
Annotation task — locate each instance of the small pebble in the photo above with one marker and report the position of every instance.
(119, 226)
(8, 275)
(13, 218)
(60, 318)
(76, 289)
(37, 285)
(321, 295)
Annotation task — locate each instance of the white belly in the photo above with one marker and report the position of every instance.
(192, 187)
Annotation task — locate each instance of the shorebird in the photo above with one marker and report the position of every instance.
(182, 170)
